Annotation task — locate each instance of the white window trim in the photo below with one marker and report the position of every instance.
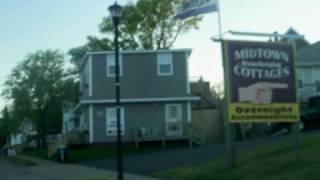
(177, 122)
(108, 57)
(122, 116)
(179, 108)
(159, 61)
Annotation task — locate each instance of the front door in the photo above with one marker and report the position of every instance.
(174, 125)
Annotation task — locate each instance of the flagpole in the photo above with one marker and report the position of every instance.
(219, 21)
(228, 128)
(194, 9)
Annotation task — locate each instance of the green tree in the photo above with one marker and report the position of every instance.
(36, 90)
(147, 24)
(8, 125)
(218, 91)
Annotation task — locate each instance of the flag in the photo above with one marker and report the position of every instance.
(190, 8)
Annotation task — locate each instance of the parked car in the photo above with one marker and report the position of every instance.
(310, 118)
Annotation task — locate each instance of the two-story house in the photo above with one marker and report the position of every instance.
(308, 71)
(155, 95)
(307, 67)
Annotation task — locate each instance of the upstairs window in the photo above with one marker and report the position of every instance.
(111, 65)
(164, 63)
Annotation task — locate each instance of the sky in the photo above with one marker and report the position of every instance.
(27, 26)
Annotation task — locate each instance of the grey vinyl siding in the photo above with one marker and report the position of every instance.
(309, 75)
(147, 115)
(140, 79)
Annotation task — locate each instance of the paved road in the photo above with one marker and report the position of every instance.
(146, 164)
(9, 171)
(46, 170)
(152, 162)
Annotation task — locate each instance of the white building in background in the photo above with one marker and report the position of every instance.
(16, 139)
(308, 71)
(69, 120)
(26, 130)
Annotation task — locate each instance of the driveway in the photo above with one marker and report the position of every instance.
(146, 164)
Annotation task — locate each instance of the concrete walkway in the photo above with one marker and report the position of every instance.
(47, 170)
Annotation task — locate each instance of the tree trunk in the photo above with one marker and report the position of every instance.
(42, 141)
(44, 131)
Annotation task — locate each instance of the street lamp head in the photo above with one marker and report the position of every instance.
(115, 12)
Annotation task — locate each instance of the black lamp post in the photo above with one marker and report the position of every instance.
(116, 12)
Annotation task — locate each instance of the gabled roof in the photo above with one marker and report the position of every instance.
(300, 43)
(309, 55)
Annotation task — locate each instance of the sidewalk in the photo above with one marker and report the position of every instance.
(53, 170)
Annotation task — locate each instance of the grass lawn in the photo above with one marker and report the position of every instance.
(276, 162)
(96, 178)
(93, 153)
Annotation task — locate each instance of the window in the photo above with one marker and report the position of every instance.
(307, 76)
(174, 120)
(165, 66)
(300, 83)
(111, 65)
(111, 121)
(317, 86)
(173, 113)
